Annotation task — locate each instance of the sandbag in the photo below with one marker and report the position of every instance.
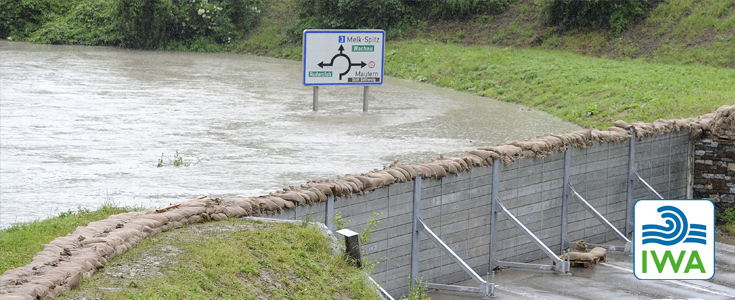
(580, 246)
(598, 252)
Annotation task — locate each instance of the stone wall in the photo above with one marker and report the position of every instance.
(714, 170)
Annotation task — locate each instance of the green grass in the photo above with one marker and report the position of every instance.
(678, 32)
(232, 259)
(272, 35)
(584, 90)
(19, 242)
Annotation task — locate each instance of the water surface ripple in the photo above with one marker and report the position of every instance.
(80, 125)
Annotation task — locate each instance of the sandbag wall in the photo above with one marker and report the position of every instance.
(455, 205)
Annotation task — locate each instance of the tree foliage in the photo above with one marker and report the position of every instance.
(20, 18)
(142, 24)
(86, 23)
(184, 23)
(390, 15)
(595, 14)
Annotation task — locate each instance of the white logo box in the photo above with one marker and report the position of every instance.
(674, 239)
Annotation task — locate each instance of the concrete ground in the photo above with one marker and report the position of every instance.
(613, 279)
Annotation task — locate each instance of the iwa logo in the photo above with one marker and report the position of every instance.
(674, 239)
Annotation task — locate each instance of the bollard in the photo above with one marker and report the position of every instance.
(352, 246)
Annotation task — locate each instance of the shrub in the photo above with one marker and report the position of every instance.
(456, 9)
(595, 14)
(390, 15)
(184, 23)
(86, 23)
(20, 18)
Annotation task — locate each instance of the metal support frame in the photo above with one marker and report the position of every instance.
(381, 289)
(415, 230)
(648, 186)
(565, 200)
(494, 216)
(485, 288)
(633, 176)
(560, 265)
(631, 167)
(628, 244)
(329, 214)
(569, 190)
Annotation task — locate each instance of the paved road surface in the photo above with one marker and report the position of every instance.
(613, 279)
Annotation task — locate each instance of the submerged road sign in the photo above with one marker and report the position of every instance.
(343, 57)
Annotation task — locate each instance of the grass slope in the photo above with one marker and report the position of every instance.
(20, 242)
(680, 32)
(231, 259)
(584, 90)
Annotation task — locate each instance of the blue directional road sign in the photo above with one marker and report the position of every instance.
(343, 57)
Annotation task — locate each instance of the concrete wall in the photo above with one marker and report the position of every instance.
(457, 208)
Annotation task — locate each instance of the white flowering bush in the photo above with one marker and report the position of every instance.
(202, 25)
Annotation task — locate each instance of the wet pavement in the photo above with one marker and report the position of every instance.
(612, 279)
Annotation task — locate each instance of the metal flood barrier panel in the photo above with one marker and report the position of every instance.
(458, 210)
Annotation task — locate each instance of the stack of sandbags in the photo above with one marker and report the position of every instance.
(579, 253)
(723, 123)
(65, 261)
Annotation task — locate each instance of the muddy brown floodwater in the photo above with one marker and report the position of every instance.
(81, 125)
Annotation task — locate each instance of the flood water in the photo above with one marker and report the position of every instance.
(83, 125)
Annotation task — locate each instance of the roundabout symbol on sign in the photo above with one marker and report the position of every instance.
(349, 62)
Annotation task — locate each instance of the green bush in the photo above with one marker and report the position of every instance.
(190, 24)
(393, 16)
(457, 9)
(20, 18)
(348, 14)
(86, 23)
(726, 216)
(595, 14)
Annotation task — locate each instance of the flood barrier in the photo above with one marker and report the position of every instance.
(458, 209)
(460, 195)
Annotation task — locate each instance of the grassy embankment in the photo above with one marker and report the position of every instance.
(583, 90)
(677, 32)
(674, 63)
(20, 242)
(233, 259)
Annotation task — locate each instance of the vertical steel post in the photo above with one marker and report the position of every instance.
(365, 99)
(316, 98)
(494, 215)
(329, 214)
(565, 198)
(631, 180)
(416, 229)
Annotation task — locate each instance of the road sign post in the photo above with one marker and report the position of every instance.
(344, 57)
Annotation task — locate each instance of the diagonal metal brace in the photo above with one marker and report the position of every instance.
(561, 265)
(648, 186)
(603, 220)
(485, 287)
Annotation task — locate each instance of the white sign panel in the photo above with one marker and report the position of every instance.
(674, 239)
(343, 57)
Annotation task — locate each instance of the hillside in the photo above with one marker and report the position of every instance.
(685, 32)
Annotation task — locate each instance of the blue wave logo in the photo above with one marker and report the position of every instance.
(678, 229)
